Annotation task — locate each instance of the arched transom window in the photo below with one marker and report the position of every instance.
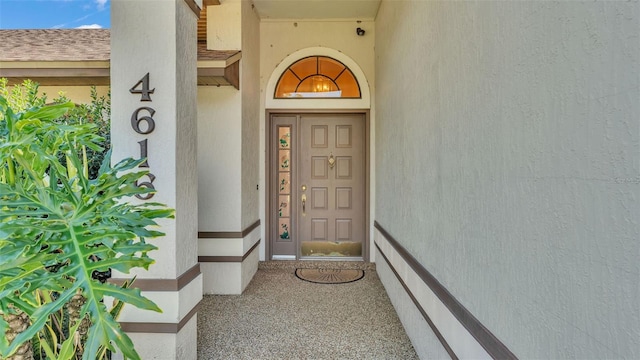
(317, 77)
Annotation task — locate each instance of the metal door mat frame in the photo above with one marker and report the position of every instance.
(329, 276)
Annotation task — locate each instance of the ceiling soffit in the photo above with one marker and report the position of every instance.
(317, 9)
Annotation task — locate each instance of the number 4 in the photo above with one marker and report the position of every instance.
(144, 82)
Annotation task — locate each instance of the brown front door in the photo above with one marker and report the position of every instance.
(320, 181)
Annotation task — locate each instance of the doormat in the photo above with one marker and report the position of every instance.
(329, 276)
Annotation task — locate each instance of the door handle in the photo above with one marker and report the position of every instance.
(304, 203)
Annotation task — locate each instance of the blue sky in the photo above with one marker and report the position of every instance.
(54, 14)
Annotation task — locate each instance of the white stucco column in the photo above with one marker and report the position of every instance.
(154, 94)
(228, 132)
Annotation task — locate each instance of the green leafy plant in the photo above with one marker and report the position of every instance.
(23, 96)
(61, 230)
(97, 111)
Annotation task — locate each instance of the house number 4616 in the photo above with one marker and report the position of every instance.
(142, 122)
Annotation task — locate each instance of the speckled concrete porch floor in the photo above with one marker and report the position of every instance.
(282, 317)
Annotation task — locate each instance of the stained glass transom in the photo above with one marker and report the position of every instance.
(317, 77)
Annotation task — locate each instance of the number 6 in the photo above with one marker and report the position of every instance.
(136, 120)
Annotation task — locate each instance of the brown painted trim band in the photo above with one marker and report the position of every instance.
(210, 72)
(164, 284)
(220, 259)
(485, 338)
(56, 72)
(232, 74)
(194, 7)
(228, 234)
(188, 276)
(159, 328)
(229, 259)
(433, 327)
(61, 81)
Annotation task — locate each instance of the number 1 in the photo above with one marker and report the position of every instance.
(143, 153)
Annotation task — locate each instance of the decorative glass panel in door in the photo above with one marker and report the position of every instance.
(284, 155)
(283, 244)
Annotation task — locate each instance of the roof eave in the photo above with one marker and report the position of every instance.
(46, 73)
(85, 73)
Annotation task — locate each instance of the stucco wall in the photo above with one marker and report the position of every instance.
(77, 94)
(279, 38)
(186, 171)
(228, 133)
(508, 164)
(224, 25)
(155, 55)
(250, 88)
(219, 158)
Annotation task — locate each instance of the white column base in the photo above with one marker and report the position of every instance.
(182, 345)
(229, 278)
(228, 261)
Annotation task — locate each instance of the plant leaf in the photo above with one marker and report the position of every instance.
(57, 226)
(68, 348)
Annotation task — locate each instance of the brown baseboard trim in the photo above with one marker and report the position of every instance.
(194, 7)
(433, 327)
(159, 328)
(485, 338)
(163, 284)
(228, 234)
(229, 259)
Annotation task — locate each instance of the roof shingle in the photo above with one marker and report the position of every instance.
(72, 45)
(55, 45)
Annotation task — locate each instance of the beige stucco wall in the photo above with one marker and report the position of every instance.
(219, 158)
(161, 41)
(508, 164)
(224, 26)
(77, 94)
(186, 172)
(250, 88)
(228, 134)
(278, 39)
(157, 57)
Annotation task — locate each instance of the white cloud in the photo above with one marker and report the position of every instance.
(92, 26)
(101, 4)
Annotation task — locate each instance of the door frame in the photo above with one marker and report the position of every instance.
(269, 173)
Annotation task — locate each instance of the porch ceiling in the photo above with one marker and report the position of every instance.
(317, 9)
